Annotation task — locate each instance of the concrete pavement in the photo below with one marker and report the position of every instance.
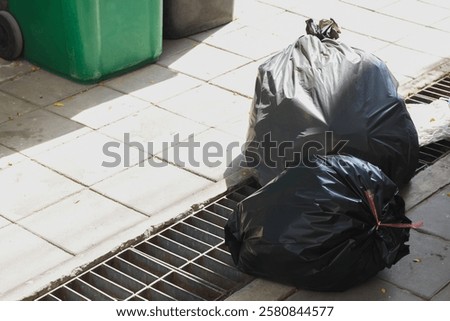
(61, 208)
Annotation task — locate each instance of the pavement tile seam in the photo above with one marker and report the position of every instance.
(8, 221)
(20, 98)
(365, 8)
(25, 157)
(429, 195)
(44, 238)
(60, 144)
(185, 169)
(22, 113)
(378, 10)
(124, 93)
(136, 209)
(97, 128)
(152, 155)
(406, 20)
(404, 289)
(16, 76)
(156, 103)
(31, 102)
(441, 291)
(51, 203)
(92, 189)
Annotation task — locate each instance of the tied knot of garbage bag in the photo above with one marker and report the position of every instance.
(327, 28)
(373, 210)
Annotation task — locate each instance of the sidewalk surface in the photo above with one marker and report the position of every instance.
(61, 209)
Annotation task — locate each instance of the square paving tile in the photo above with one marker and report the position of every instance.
(98, 107)
(208, 105)
(290, 26)
(204, 62)
(237, 127)
(81, 221)
(153, 129)
(172, 47)
(150, 189)
(251, 12)
(90, 158)
(31, 187)
(261, 290)
(433, 42)
(42, 88)
(11, 69)
(370, 4)
(154, 83)
(210, 155)
(9, 157)
(249, 42)
(373, 290)
(425, 270)
(24, 256)
(359, 41)
(38, 131)
(218, 31)
(407, 62)
(435, 212)
(12, 107)
(416, 11)
(241, 80)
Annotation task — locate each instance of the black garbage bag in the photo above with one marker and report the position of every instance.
(322, 97)
(325, 228)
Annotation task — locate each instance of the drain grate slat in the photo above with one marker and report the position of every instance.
(132, 271)
(151, 294)
(216, 280)
(50, 297)
(65, 294)
(108, 287)
(161, 255)
(178, 288)
(194, 232)
(187, 240)
(89, 292)
(119, 278)
(205, 226)
(144, 262)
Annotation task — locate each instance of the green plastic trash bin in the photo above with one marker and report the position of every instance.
(89, 40)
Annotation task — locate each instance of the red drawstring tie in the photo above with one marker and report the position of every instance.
(370, 198)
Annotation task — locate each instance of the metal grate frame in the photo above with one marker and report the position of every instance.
(431, 153)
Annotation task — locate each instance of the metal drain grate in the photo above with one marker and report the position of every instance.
(431, 153)
(186, 261)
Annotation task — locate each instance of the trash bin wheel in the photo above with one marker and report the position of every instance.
(11, 41)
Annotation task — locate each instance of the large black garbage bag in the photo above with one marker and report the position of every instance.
(324, 97)
(324, 228)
